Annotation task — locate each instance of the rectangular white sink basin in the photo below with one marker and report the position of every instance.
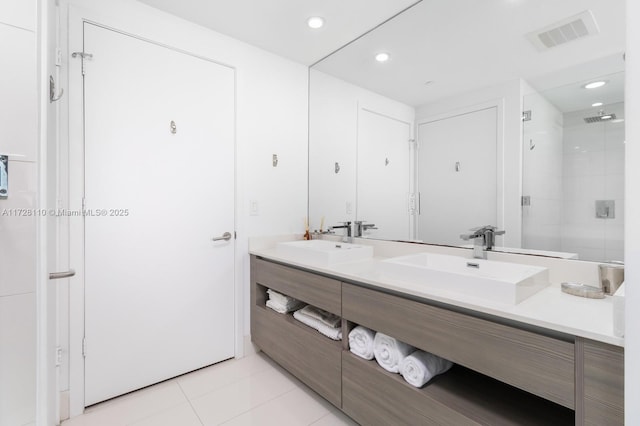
(323, 252)
(502, 282)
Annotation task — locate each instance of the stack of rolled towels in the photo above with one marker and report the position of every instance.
(416, 367)
(281, 303)
(324, 322)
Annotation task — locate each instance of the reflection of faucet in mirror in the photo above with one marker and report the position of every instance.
(346, 237)
(359, 228)
(483, 240)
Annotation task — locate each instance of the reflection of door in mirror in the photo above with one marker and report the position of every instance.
(383, 174)
(457, 175)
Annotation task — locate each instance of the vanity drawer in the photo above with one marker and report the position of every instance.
(305, 353)
(315, 290)
(541, 365)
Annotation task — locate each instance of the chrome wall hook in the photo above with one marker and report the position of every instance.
(173, 128)
(336, 168)
(52, 91)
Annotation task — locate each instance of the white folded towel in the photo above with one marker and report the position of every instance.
(420, 367)
(390, 352)
(325, 317)
(281, 309)
(281, 303)
(334, 333)
(361, 342)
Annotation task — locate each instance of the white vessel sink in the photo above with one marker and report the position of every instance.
(502, 282)
(323, 252)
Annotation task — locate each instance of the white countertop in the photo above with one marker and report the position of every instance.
(550, 308)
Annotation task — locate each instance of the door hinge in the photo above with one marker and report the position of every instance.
(84, 347)
(58, 57)
(526, 115)
(84, 204)
(414, 203)
(82, 56)
(525, 201)
(58, 356)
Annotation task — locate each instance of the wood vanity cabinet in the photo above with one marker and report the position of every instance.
(313, 358)
(504, 374)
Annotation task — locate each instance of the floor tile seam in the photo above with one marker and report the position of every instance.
(190, 404)
(255, 373)
(258, 406)
(127, 422)
(224, 387)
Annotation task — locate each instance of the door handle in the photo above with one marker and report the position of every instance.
(226, 236)
(59, 275)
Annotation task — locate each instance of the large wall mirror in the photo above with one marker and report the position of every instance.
(480, 115)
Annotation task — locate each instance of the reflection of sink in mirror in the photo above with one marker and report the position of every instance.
(323, 252)
(502, 282)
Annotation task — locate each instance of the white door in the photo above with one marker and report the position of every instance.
(383, 174)
(457, 177)
(159, 186)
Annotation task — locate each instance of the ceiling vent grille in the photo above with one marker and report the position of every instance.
(569, 29)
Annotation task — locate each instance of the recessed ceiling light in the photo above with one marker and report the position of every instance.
(606, 117)
(597, 104)
(315, 22)
(382, 57)
(594, 84)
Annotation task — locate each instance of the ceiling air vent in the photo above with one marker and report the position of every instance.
(569, 29)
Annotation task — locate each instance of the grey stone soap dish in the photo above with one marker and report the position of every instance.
(583, 290)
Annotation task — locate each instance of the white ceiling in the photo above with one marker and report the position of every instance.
(280, 26)
(460, 45)
(463, 45)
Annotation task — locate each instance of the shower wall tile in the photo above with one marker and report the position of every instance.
(18, 230)
(18, 363)
(593, 171)
(18, 111)
(19, 13)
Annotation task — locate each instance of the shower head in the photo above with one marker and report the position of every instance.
(600, 117)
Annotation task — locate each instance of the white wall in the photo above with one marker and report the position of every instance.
(593, 170)
(542, 175)
(18, 121)
(271, 118)
(333, 137)
(509, 170)
(632, 213)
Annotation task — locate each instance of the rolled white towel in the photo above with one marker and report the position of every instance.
(390, 352)
(420, 367)
(361, 342)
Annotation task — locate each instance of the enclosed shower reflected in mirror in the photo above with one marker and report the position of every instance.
(573, 171)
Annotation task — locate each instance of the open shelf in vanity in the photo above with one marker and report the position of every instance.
(505, 375)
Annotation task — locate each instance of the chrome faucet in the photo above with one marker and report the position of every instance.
(484, 239)
(346, 236)
(359, 227)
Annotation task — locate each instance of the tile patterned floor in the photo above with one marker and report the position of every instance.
(248, 391)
